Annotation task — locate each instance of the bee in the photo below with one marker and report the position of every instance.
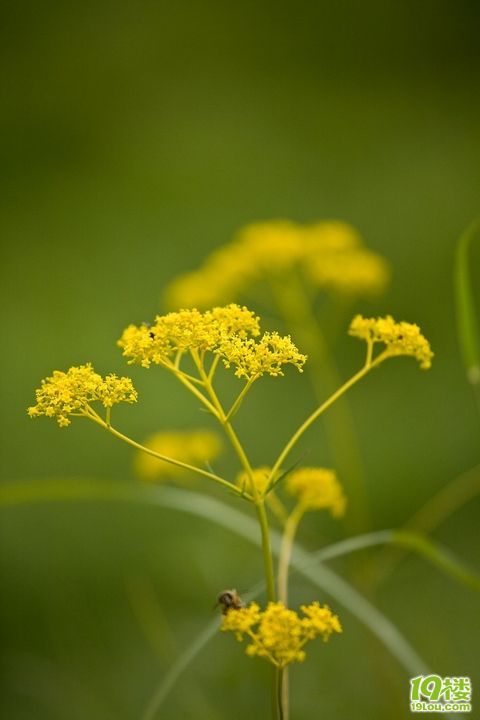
(229, 599)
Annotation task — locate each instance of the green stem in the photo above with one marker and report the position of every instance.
(196, 392)
(222, 419)
(266, 550)
(213, 367)
(288, 538)
(239, 398)
(467, 321)
(296, 305)
(257, 500)
(199, 471)
(278, 684)
(316, 413)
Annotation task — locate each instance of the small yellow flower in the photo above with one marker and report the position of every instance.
(399, 338)
(317, 489)
(69, 394)
(195, 447)
(279, 634)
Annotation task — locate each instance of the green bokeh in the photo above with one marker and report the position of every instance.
(135, 138)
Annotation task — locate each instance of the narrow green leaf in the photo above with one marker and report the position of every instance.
(192, 503)
(341, 548)
(443, 558)
(233, 520)
(467, 320)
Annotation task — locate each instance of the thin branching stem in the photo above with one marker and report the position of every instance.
(92, 415)
(319, 411)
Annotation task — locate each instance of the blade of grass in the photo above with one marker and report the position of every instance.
(187, 657)
(467, 320)
(233, 520)
(211, 509)
(344, 547)
(441, 557)
(448, 500)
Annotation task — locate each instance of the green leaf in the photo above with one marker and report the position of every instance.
(467, 321)
(307, 564)
(236, 522)
(443, 558)
(359, 542)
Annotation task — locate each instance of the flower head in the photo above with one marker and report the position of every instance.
(317, 489)
(70, 393)
(260, 476)
(319, 621)
(253, 358)
(279, 634)
(329, 255)
(186, 330)
(195, 447)
(241, 620)
(229, 332)
(399, 338)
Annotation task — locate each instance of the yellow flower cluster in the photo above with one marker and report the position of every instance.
(186, 330)
(317, 489)
(260, 477)
(329, 254)
(65, 394)
(267, 355)
(351, 271)
(195, 447)
(399, 338)
(228, 332)
(279, 634)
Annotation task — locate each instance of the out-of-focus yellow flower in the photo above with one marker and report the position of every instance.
(339, 262)
(195, 447)
(279, 634)
(330, 255)
(319, 621)
(399, 338)
(317, 489)
(228, 332)
(260, 476)
(70, 393)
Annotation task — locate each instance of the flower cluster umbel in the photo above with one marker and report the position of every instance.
(329, 255)
(399, 338)
(279, 634)
(192, 343)
(228, 332)
(314, 488)
(317, 488)
(195, 447)
(71, 393)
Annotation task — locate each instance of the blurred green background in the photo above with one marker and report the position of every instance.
(135, 138)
